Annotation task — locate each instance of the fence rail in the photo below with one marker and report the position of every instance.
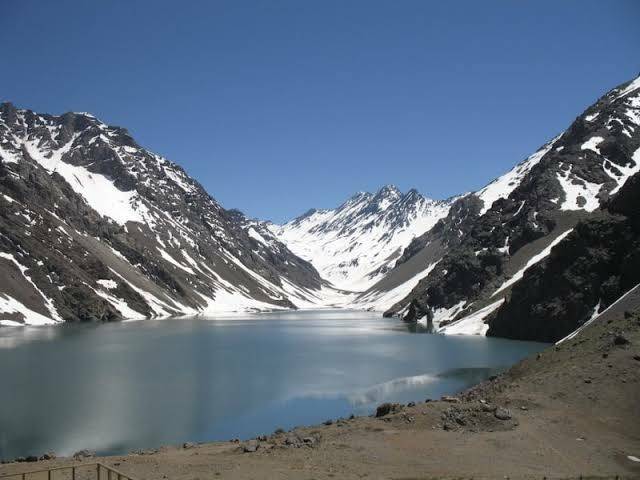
(86, 471)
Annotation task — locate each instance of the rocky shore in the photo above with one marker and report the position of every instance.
(571, 411)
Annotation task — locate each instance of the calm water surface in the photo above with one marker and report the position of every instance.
(118, 387)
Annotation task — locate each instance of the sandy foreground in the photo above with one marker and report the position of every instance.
(574, 408)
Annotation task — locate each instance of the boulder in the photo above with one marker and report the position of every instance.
(84, 454)
(502, 413)
(250, 446)
(386, 409)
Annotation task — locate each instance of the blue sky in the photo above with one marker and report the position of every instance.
(279, 106)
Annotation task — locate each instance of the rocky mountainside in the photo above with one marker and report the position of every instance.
(475, 255)
(95, 227)
(355, 245)
(594, 266)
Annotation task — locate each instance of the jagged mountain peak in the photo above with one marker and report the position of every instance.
(354, 244)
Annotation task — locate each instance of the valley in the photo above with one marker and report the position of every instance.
(94, 227)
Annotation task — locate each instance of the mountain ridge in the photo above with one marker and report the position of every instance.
(148, 239)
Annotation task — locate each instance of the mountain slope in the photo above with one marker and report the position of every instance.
(492, 236)
(356, 244)
(95, 227)
(597, 263)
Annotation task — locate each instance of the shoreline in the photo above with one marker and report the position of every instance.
(568, 411)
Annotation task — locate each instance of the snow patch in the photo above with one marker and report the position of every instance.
(472, 324)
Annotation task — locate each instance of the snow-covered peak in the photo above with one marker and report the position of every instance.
(353, 246)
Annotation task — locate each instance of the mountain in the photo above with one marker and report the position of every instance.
(355, 245)
(480, 252)
(95, 227)
(585, 274)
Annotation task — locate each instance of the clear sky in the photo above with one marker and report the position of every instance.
(280, 106)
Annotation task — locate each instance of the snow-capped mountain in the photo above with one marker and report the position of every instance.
(95, 227)
(482, 249)
(353, 246)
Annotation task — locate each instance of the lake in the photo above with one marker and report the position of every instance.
(117, 387)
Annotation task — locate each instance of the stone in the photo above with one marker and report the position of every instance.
(250, 446)
(188, 445)
(309, 441)
(386, 409)
(292, 440)
(411, 404)
(502, 413)
(450, 399)
(84, 454)
(621, 340)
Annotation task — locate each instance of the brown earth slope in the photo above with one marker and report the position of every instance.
(574, 410)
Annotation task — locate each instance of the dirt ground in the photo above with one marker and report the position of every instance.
(574, 408)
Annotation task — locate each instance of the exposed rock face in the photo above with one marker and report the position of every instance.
(490, 237)
(584, 274)
(94, 227)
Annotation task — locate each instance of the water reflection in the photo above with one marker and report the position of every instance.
(117, 387)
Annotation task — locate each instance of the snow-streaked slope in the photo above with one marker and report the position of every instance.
(354, 245)
(502, 186)
(95, 227)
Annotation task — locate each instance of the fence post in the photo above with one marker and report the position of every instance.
(73, 473)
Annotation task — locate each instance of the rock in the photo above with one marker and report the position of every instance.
(309, 441)
(188, 445)
(502, 413)
(411, 404)
(386, 409)
(587, 380)
(488, 408)
(447, 398)
(84, 454)
(262, 438)
(292, 440)
(621, 340)
(48, 456)
(328, 422)
(636, 357)
(279, 431)
(251, 446)
(352, 416)
(605, 355)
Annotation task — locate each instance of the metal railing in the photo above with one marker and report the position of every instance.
(86, 471)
